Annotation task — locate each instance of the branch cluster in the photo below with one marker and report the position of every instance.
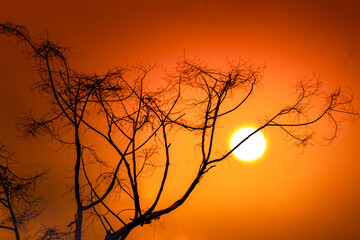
(17, 195)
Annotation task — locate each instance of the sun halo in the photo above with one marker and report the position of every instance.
(252, 148)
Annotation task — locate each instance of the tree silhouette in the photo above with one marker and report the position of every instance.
(117, 111)
(17, 195)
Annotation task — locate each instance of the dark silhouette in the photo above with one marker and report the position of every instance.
(17, 195)
(137, 124)
(52, 233)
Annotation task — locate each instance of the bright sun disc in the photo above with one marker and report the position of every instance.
(252, 148)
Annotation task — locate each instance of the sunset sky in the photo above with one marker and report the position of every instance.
(289, 193)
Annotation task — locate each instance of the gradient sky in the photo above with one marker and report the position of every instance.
(288, 194)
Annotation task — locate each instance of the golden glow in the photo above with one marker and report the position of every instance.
(250, 149)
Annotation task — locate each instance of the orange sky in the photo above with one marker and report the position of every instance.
(287, 194)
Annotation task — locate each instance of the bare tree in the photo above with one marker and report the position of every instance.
(17, 195)
(138, 124)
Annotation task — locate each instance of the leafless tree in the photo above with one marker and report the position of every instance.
(138, 124)
(17, 195)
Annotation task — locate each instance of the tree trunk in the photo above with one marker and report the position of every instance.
(78, 224)
(13, 217)
(122, 233)
(79, 212)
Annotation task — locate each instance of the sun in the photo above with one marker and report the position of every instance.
(250, 149)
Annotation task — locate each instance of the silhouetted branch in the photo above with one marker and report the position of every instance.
(52, 233)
